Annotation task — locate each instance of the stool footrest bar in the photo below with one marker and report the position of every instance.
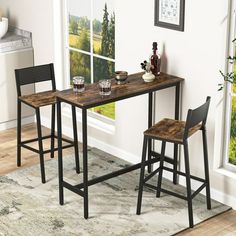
(183, 174)
(198, 190)
(35, 139)
(29, 148)
(45, 151)
(150, 186)
(56, 149)
(151, 175)
(173, 194)
(66, 140)
(73, 188)
(46, 137)
(167, 159)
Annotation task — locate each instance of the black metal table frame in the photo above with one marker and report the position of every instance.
(152, 156)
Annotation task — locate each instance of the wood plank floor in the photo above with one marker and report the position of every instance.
(223, 224)
(29, 158)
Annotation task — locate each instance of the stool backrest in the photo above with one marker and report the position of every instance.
(196, 116)
(34, 74)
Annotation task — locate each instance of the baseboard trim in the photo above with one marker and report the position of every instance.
(127, 156)
(13, 123)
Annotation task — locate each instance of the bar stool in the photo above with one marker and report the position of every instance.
(33, 75)
(174, 131)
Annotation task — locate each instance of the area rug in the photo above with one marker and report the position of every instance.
(28, 207)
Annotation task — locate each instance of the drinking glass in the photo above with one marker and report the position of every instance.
(105, 87)
(78, 84)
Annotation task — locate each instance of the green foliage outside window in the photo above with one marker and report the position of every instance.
(232, 145)
(80, 65)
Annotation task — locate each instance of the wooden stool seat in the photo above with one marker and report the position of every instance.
(39, 99)
(170, 130)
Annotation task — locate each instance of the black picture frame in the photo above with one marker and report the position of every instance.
(172, 20)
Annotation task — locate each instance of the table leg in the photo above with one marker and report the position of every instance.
(85, 162)
(177, 98)
(18, 133)
(60, 163)
(76, 148)
(150, 105)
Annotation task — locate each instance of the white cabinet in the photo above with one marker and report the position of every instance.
(9, 61)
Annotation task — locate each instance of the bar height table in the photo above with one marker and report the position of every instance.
(134, 86)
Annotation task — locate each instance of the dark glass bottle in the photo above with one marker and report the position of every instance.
(155, 60)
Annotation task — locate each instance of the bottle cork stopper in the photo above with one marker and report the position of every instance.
(154, 45)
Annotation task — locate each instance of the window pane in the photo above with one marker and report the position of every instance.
(232, 145)
(103, 69)
(79, 24)
(107, 110)
(80, 65)
(104, 28)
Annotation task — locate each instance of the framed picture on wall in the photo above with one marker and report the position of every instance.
(170, 14)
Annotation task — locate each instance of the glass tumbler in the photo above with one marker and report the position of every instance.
(105, 87)
(78, 84)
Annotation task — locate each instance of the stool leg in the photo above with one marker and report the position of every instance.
(18, 133)
(75, 140)
(163, 147)
(40, 145)
(52, 131)
(206, 167)
(175, 177)
(141, 180)
(188, 184)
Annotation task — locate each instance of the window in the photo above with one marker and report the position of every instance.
(229, 161)
(91, 43)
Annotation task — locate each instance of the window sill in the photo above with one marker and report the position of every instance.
(94, 120)
(226, 172)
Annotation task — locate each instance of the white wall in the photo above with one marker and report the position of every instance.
(36, 17)
(196, 54)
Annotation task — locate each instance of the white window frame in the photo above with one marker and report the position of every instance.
(229, 94)
(95, 120)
